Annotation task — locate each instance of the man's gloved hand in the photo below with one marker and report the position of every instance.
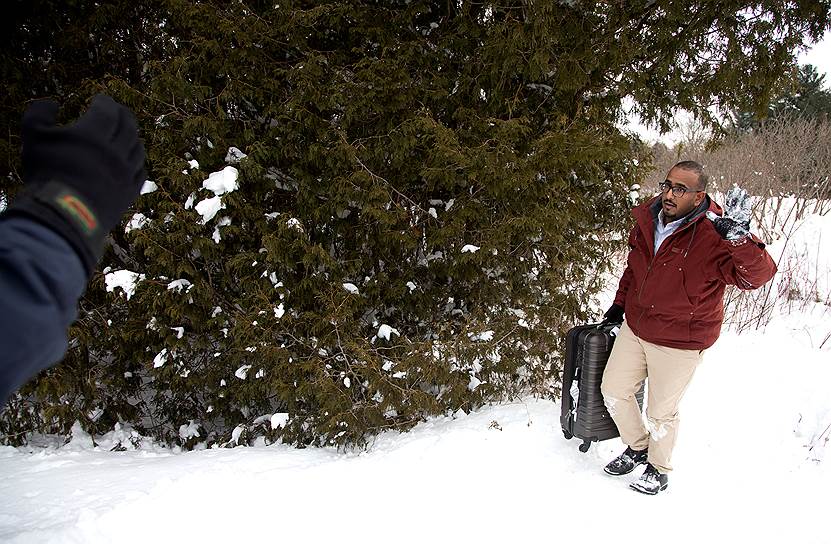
(614, 314)
(80, 178)
(735, 223)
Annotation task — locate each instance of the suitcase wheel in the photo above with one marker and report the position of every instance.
(567, 434)
(584, 447)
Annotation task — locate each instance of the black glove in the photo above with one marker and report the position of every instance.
(735, 223)
(80, 178)
(614, 314)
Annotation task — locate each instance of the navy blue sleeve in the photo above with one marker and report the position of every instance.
(41, 280)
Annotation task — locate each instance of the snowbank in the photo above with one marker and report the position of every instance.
(744, 472)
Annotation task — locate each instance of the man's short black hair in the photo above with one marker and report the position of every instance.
(698, 169)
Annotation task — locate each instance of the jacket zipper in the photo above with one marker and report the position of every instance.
(643, 283)
(652, 261)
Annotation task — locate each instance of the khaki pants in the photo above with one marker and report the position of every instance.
(669, 370)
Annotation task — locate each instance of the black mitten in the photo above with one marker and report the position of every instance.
(614, 314)
(80, 178)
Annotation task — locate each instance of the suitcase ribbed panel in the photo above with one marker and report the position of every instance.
(571, 369)
(592, 420)
(587, 351)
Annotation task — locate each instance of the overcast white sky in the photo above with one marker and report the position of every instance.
(819, 55)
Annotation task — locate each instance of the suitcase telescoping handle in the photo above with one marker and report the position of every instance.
(608, 322)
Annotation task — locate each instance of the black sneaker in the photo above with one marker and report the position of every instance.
(651, 481)
(626, 462)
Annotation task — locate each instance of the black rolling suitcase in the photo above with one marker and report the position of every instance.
(583, 413)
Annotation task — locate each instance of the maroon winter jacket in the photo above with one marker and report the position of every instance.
(675, 298)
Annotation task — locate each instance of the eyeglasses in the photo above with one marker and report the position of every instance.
(677, 190)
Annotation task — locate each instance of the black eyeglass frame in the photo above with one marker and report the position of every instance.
(677, 190)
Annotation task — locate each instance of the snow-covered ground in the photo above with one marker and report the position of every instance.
(752, 465)
(744, 471)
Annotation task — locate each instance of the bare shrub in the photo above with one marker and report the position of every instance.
(784, 157)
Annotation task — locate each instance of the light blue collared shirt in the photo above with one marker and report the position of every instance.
(662, 231)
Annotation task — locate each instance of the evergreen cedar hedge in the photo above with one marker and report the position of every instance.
(381, 139)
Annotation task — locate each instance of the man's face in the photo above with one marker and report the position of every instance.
(676, 207)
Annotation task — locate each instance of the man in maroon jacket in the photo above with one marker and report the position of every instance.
(683, 252)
